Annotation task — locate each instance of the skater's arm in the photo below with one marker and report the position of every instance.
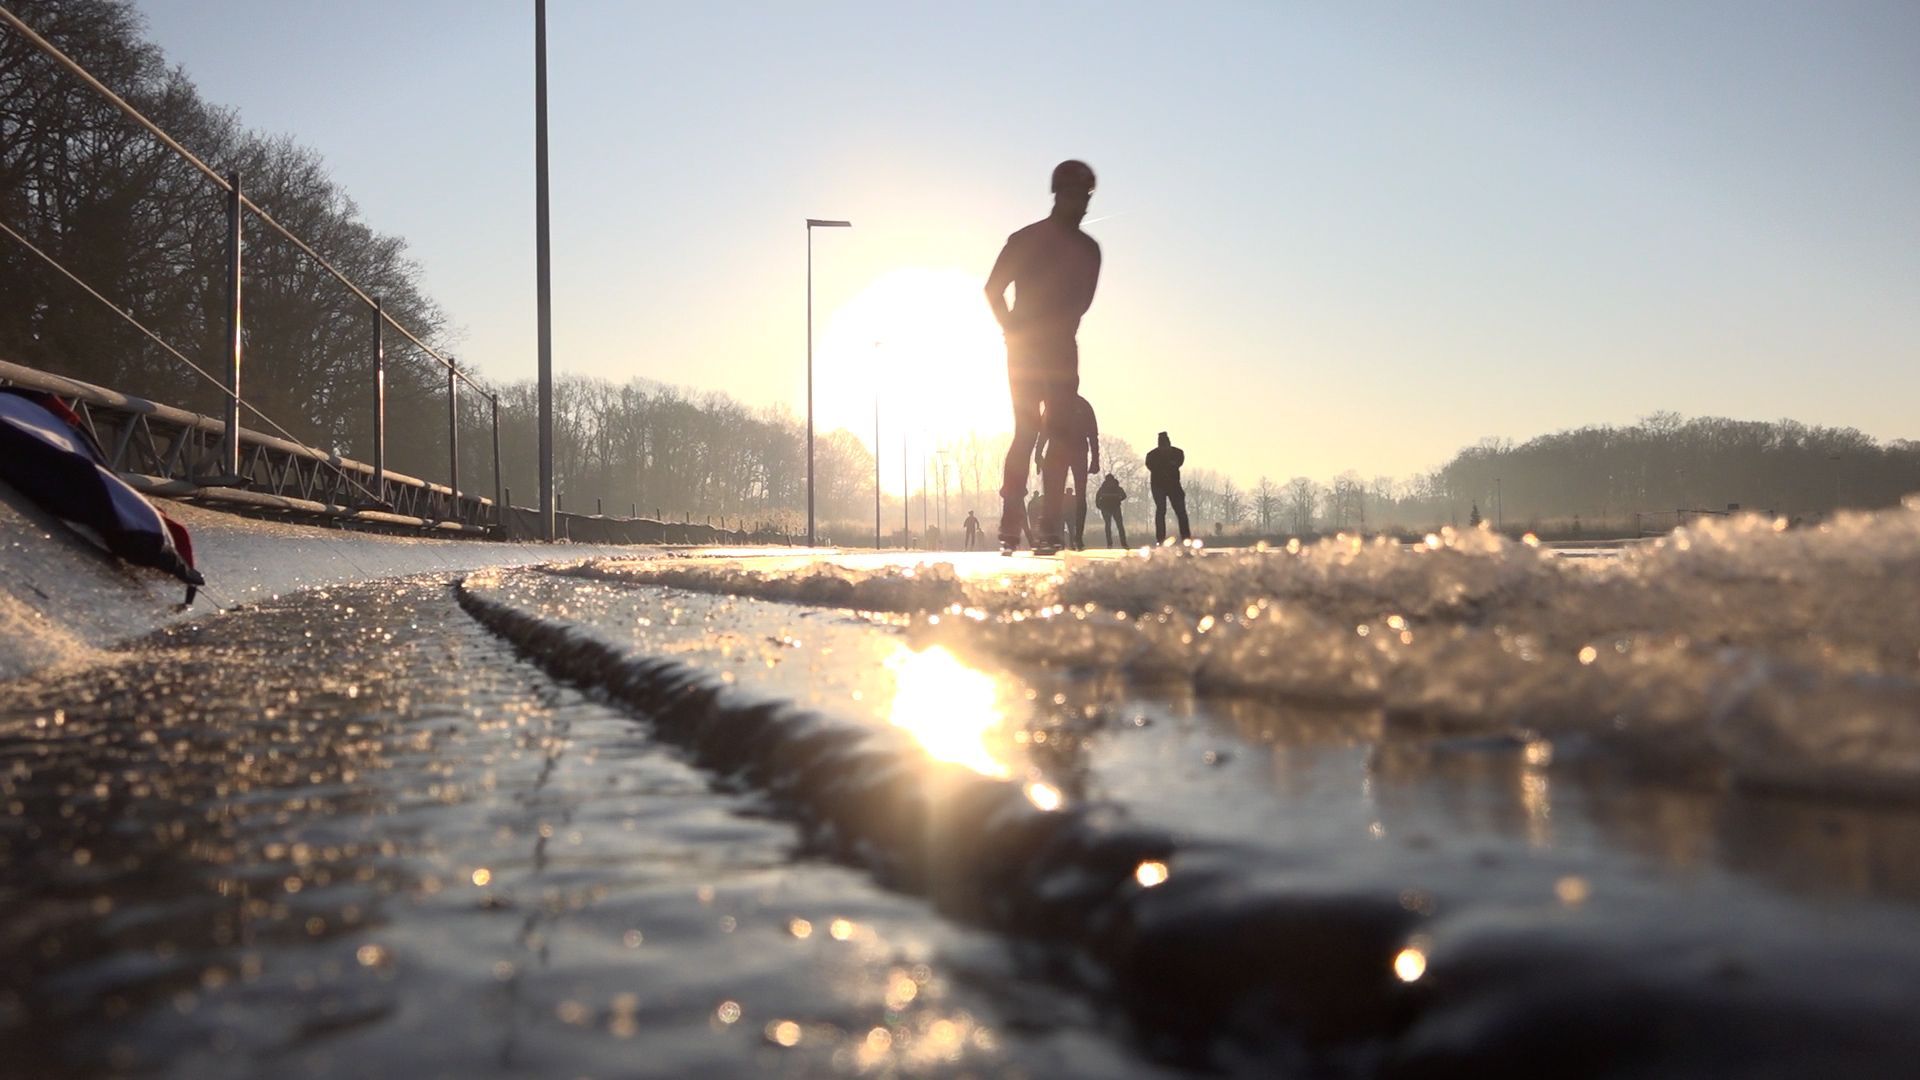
(1093, 438)
(997, 282)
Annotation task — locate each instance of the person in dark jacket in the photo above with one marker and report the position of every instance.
(1074, 433)
(1108, 499)
(1163, 469)
(972, 527)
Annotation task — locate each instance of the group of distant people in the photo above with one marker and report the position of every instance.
(1163, 470)
(1053, 268)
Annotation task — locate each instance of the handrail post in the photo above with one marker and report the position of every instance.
(379, 402)
(453, 437)
(499, 502)
(235, 205)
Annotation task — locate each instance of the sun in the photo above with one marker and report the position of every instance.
(923, 341)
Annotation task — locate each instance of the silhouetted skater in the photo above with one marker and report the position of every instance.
(1075, 432)
(1053, 268)
(1108, 499)
(972, 526)
(1163, 471)
(1029, 519)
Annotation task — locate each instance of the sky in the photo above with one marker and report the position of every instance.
(1336, 236)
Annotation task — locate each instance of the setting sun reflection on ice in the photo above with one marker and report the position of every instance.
(949, 707)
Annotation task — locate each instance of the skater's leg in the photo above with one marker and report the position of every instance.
(1180, 510)
(1013, 481)
(1080, 505)
(1120, 522)
(1106, 524)
(1159, 518)
(1058, 400)
(1053, 494)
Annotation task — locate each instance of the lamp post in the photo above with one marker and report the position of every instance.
(812, 224)
(876, 448)
(942, 454)
(543, 274)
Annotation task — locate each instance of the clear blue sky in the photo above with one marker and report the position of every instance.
(1342, 235)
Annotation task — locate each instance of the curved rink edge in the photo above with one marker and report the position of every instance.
(1254, 960)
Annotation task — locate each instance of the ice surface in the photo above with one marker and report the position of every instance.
(62, 598)
(1735, 648)
(1416, 902)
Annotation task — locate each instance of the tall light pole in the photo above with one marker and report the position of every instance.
(812, 224)
(942, 455)
(1499, 506)
(543, 262)
(876, 448)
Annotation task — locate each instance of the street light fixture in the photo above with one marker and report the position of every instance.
(812, 224)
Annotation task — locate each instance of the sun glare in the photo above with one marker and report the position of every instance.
(949, 707)
(923, 339)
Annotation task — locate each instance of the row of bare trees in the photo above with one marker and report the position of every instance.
(147, 231)
(653, 447)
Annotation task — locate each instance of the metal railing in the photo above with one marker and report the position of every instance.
(240, 458)
(167, 451)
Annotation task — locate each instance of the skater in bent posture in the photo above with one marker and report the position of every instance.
(1074, 432)
(1053, 268)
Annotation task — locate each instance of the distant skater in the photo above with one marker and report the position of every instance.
(1053, 268)
(1075, 432)
(972, 526)
(1108, 499)
(1028, 518)
(1163, 471)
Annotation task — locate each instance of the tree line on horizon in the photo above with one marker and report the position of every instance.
(1646, 476)
(146, 230)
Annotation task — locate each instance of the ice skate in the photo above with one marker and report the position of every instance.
(1013, 524)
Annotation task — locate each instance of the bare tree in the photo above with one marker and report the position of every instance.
(1127, 465)
(1233, 504)
(1302, 496)
(1346, 502)
(1266, 504)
